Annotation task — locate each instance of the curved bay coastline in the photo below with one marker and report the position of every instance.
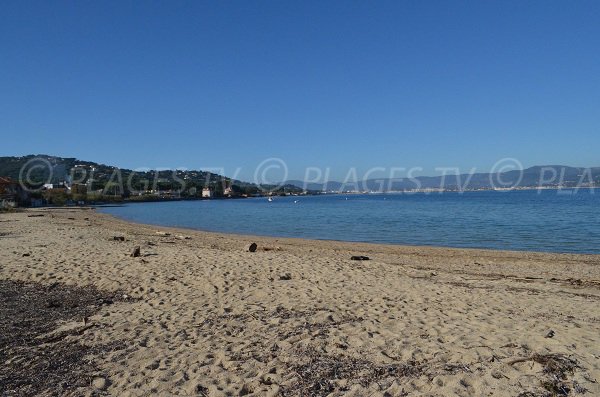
(548, 221)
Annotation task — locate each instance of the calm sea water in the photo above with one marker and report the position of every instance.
(555, 221)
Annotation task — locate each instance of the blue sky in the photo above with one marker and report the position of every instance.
(335, 84)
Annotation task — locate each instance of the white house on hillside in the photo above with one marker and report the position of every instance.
(207, 192)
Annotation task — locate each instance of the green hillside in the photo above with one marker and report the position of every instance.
(36, 170)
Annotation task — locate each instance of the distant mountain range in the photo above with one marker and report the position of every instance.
(538, 176)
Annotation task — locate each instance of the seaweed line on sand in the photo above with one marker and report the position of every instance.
(36, 359)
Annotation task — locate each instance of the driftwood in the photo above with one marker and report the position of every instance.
(359, 258)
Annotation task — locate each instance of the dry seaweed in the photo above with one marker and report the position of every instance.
(557, 368)
(318, 374)
(34, 363)
(311, 372)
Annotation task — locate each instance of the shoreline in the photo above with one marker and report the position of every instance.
(307, 240)
(205, 317)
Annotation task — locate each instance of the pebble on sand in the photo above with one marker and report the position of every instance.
(251, 247)
(136, 252)
(285, 276)
(100, 383)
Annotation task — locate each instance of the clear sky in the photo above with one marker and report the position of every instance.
(334, 84)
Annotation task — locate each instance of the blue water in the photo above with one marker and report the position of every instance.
(550, 220)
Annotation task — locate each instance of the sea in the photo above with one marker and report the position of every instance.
(564, 221)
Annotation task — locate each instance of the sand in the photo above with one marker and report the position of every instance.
(202, 317)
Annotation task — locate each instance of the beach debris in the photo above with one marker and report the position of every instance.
(118, 238)
(251, 247)
(184, 237)
(271, 248)
(163, 234)
(105, 301)
(100, 383)
(285, 276)
(455, 368)
(550, 334)
(35, 215)
(40, 358)
(319, 374)
(26, 254)
(557, 368)
(359, 258)
(136, 252)
(498, 375)
(578, 388)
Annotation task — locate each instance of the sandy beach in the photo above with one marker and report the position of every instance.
(195, 314)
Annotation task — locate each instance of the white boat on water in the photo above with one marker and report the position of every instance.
(270, 199)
